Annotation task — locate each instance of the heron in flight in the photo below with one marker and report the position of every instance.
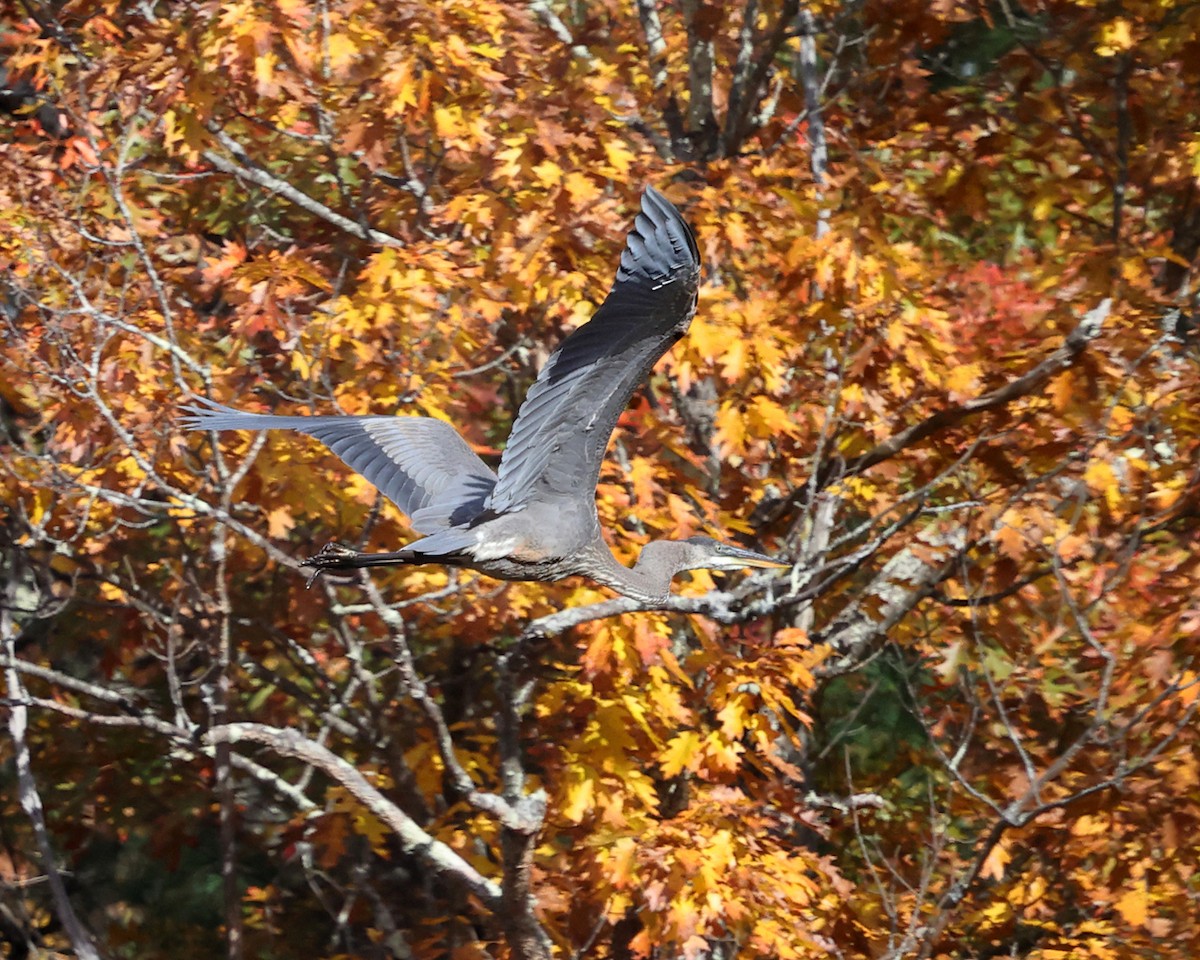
(535, 518)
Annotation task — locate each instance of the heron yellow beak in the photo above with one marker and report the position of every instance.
(734, 558)
(761, 561)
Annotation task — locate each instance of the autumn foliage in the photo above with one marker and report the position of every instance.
(945, 361)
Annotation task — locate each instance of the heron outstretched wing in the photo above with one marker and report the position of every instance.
(563, 427)
(422, 465)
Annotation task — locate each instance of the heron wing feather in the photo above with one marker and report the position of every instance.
(422, 465)
(564, 424)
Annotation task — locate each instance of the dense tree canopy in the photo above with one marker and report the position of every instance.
(945, 362)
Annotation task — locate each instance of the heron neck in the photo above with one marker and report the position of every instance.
(648, 580)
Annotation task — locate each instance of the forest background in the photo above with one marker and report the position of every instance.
(945, 361)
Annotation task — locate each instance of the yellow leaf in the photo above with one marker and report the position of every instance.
(731, 431)
(707, 337)
(770, 419)
(1134, 906)
(488, 51)
(1087, 826)
(1189, 687)
(342, 51)
(1121, 418)
(619, 156)
(42, 501)
(509, 160)
(1116, 36)
(403, 87)
(369, 826)
(549, 173)
(447, 121)
(641, 477)
(622, 862)
(581, 793)
(733, 358)
(1043, 205)
(583, 189)
(736, 232)
(791, 637)
(682, 753)
(1099, 476)
(853, 396)
(721, 754)
(110, 591)
(963, 379)
(264, 71)
(1168, 492)
(301, 365)
(733, 716)
(1101, 479)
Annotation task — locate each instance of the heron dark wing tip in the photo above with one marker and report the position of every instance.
(664, 215)
(656, 205)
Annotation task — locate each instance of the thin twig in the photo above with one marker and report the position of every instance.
(242, 166)
(415, 842)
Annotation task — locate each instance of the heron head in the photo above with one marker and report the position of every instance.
(705, 553)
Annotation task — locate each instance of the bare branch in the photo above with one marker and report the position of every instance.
(1124, 138)
(747, 37)
(507, 811)
(743, 97)
(247, 169)
(700, 69)
(1077, 341)
(414, 841)
(656, 46)
(552, 20)
(223, 767)
(903, 582)
(814, 109)
(27, 789)
(181, 740)
(719, 605)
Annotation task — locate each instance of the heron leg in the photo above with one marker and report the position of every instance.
(338, 556)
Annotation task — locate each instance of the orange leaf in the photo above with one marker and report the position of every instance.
(280, 522)
(997, 860)
(1134, 906)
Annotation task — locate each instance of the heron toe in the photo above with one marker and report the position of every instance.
(331, 556)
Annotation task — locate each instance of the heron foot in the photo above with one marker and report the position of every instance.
(332, 556)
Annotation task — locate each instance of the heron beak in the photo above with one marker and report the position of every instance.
(763, 562)
(738, 557)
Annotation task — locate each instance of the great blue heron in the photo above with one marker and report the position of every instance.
(535, 519)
